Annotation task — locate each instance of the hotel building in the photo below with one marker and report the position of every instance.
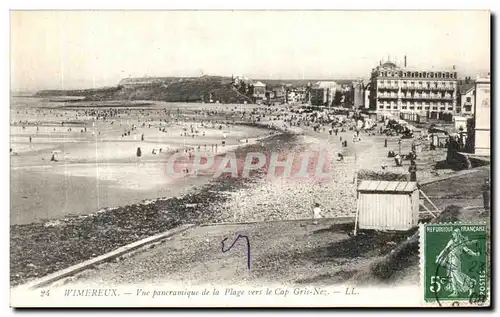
(400, 89)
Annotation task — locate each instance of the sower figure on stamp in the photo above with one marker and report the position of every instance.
(450, 259)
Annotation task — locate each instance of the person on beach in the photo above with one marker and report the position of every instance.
(413, 171)
(316, 213)
(398, 160)
(486, 196)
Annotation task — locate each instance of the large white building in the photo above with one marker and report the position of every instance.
(482, 116)
(400, 89)
(361, 94)
(323, 93)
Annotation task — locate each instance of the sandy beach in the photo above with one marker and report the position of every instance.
(97, 167)
(99, 190)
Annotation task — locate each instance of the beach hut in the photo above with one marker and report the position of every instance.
(387, 205)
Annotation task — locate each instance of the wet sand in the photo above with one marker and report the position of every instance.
(98, 168)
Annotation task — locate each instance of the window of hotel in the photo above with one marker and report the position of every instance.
(400, 74)
(404, 107)
(404, 74)
(427, 107)
(432, 75)
(424, 75)
(420, 83)
(447, 75)
(468, 99)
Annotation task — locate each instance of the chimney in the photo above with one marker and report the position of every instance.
(405, 61)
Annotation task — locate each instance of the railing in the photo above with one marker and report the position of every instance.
(387, 96)
(385, 86)
(414, 96)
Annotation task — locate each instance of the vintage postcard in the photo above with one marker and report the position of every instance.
(250, 159)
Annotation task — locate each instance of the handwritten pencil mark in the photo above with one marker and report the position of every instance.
(236, 240)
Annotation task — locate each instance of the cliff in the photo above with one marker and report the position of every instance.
(171, 89)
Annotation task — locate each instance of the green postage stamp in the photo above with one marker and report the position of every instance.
(453, 264)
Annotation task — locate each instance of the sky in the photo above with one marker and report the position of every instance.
(85, 49)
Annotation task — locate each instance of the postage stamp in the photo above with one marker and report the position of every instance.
(198, 158)
(454, 264)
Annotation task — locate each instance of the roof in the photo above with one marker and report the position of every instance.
(387, 186)
(389, 64)
(465, 88)
(326, 84)
(259, 84)
(437, 130)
